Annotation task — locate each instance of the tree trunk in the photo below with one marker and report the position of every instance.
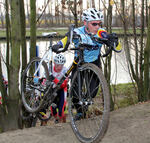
(107, 67)
(63, 14)
(44, 14)
(146, 5)
(147, 63)
(75, 13)
(135, 38)
(32, 29)
(81, 9)
(57, 12)
(2, 19)
(27, 9)
(141, 93)
(50, 13)
(23, 34)
(9, 118)
(8, 33)
(2, 88)
(93, 3)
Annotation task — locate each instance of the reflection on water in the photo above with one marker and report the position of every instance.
(119, 71)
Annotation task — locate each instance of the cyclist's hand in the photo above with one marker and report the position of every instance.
(56, 47)
(113, 38)
(114, 43)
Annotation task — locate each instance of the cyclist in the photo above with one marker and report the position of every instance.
(5, 82)
(92, 20)
(59, 104)
(60, 101)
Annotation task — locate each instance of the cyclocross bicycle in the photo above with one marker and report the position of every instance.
(87, 87)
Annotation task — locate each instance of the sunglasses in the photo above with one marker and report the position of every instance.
(95, 24)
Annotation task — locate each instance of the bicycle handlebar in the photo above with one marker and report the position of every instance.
(104, 41)
(83, 46)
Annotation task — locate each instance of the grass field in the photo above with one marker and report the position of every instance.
(62, 31)
(124, 95)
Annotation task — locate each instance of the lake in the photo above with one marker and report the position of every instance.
(119, 71)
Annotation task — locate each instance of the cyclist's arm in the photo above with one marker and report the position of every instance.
(63, 85)
(63, 42)
(60, 44)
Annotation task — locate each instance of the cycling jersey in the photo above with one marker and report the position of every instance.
(90, 55)
(60, 74)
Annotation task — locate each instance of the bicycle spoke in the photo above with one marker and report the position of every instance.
(93, 119)
(31, 85)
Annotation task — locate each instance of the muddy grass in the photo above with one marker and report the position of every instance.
(127, 125)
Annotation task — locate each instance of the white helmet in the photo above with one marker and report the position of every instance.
(92, 14)
(59, 59)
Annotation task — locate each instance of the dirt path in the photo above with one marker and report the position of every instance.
(127, 125)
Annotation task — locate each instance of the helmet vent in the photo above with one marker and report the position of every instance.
(98, 15)
(84, 14)
(92, 12)
(93, 16)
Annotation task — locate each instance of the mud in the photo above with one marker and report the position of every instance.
(127, 125)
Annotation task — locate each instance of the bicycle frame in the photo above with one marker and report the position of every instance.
(75, 64)
(48, 55)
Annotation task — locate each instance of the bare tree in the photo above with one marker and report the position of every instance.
(57, 12)
(81, 8)
(73, 7)
(146, 5)
(141, 94)
(27, 9)
(32, 28)
(10, 116)
(50, 12)
(63, 12)
(23, 34)
(107, 64)
(147, 63)
(93, 3)
(136, 69)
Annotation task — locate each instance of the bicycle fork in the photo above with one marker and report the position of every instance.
(79, 84)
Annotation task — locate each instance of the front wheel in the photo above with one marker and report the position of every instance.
(89, 111)
(33, 86)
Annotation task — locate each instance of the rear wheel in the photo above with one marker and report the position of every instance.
(89, 114)
(33, 87)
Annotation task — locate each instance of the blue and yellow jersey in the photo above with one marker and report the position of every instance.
(89, 55)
